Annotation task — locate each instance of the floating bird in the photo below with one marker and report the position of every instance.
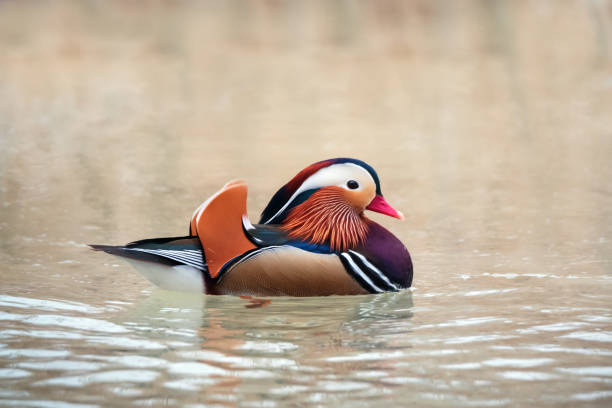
(313, 239)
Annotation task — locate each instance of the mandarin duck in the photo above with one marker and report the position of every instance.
(313, 239)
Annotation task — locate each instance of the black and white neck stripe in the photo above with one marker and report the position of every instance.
(369, 276)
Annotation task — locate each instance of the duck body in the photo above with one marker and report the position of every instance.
(313, 239)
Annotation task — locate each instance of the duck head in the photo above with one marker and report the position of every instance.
(325, 203)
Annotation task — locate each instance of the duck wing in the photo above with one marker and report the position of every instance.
(218, 225)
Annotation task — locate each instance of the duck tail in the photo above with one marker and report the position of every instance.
(170, 263)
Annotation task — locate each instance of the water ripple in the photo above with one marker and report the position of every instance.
(268, 347)
(605, 371)
(127, 342)
(517, 362)
(560, 326)
(366, 356)
(462, 366)
(472, 321)
(48, 305)
(239, 361)
(553, 348)
(6, 373)
(592, 396)
(600, 336)
(133, 361)
(43, 334)
(368, 349)
(33, 353)
(82, 323)
(190, 384)
(527, 375)
(477, 339)
(120, 376)
(44, 404)
(341, 385)
(61, 365)
(198, 369)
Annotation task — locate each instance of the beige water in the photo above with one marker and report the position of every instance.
(488, 122)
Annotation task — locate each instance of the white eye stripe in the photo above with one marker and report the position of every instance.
(334, 175)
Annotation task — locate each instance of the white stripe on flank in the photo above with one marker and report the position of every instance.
(256, 252)
(374, 269)
(253, 254)
(191, 257)
(359, 272)
(195, 255)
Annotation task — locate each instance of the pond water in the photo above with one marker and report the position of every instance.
(488, 122)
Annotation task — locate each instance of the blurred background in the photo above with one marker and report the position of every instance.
(485, 119)
(488, 121)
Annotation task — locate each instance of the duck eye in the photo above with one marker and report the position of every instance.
(352, 184)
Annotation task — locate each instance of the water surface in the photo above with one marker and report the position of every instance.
(488, 122)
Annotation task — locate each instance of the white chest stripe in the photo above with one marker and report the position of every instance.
(359, 272)
(375, 270)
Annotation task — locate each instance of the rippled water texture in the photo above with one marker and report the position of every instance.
(489, 123)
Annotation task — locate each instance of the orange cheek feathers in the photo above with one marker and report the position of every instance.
(327, 217)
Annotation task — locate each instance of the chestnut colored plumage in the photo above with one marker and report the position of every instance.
(327, 218)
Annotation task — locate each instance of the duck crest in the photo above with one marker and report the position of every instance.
(285, 192)
(327, 218)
